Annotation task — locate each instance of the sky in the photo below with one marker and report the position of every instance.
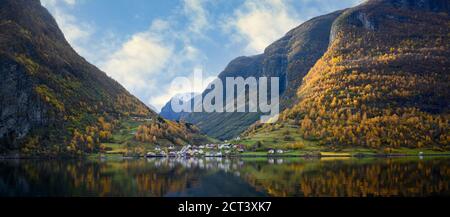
(145, 44)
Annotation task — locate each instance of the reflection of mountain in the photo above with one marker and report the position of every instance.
(219, 184)
(76, 178)
(156, 177)
(219, 177)
(361, 178)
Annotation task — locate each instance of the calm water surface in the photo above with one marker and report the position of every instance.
(227, 177)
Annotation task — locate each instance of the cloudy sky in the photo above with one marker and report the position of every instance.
(145, 44)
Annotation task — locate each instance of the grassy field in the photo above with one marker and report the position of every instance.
(278, 138)
(284, 136)
(123, 139)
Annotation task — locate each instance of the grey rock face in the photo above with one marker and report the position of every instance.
(427, 5)
(364, 16)
(20, 108)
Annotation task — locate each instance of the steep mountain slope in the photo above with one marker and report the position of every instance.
(52, 100)
(169, 113)
(289, 58)
(384, 81)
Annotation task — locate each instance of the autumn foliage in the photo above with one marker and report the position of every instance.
(386, 87)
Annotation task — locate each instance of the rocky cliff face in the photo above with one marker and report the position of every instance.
(20, 107)
(289, 58)
(423, 5)
(359, 17)
(46, 89)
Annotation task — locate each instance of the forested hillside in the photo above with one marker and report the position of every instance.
(384, 81)
(289, 58)
(52, 101)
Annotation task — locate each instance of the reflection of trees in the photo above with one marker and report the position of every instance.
(159, 177)
(391, 177)
(151, 177)
(122, 178)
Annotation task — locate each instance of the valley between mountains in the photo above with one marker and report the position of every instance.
(368, 80)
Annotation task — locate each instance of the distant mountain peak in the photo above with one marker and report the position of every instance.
(168, 112)
(184, 96)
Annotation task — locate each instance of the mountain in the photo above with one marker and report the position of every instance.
(289, 58)
(167, 111)
(382, 83)
(52, 100)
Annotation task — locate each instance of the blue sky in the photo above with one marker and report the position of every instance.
(145, 44)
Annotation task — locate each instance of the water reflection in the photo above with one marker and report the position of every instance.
(227, 177)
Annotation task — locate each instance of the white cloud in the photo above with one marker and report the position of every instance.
(261, 22)
(76, 33)
(160, 100)
(196, 13)
(146, 63)
(169, 53)
(70, 2)
(55, 2)
(136, 64)
(258, 23)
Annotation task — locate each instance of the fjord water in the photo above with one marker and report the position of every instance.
(412, 176)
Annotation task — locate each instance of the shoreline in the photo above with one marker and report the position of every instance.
(356, 156)
(345, 156)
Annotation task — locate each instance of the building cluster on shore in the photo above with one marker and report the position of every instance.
(208, 150)
(273, 151)
(225, 164)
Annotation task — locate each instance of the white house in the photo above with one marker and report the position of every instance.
(211, 146)
(224, 146)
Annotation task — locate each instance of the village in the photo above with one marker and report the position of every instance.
(208, 150)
